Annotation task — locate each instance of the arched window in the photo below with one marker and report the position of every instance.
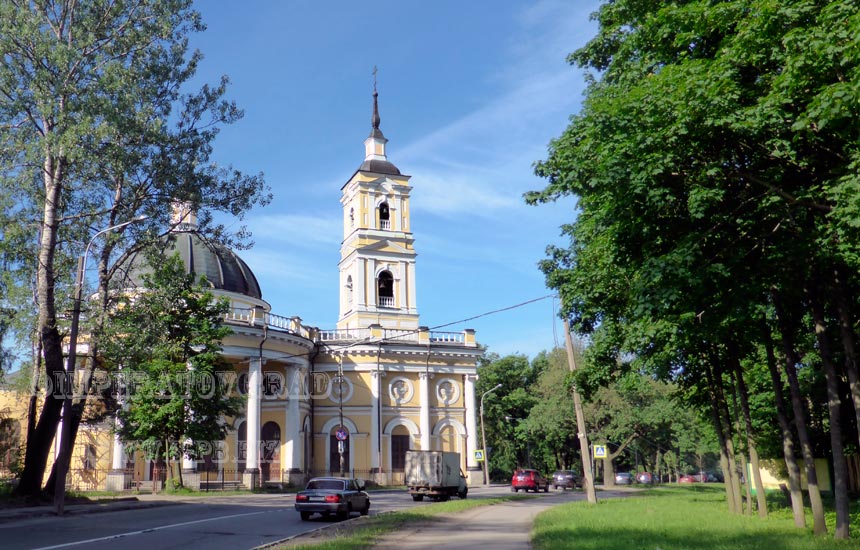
(385, 289)
(352, 218)
(90, 457)
(349, 290)
(384, 216)
(334, 455)
(241, 446)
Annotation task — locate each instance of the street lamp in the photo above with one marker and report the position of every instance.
(484, 434)
(66, 433)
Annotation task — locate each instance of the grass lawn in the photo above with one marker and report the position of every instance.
(676, 518)
(362, 534)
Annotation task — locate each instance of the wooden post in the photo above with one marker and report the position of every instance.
(580, 422)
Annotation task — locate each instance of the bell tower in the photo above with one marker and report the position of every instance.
(377, 258)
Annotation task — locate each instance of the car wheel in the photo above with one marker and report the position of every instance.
(463, 494)
(417, 498)
(366, 510)
(305, 515)
(514, 490)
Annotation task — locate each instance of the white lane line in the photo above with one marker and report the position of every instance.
(153, 529)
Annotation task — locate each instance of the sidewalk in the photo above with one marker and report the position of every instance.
(505, 526)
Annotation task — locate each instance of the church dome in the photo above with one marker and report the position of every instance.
(379, 166)
(223, 269)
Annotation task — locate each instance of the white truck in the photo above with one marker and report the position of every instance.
(434, 474)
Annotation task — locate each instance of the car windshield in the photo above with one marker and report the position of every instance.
(327, 484)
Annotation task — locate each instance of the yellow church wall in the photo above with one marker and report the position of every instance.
(772, 477)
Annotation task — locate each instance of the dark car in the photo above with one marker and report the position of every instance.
(566, 479)
(623, 478)
(333, 495)
(529, 480)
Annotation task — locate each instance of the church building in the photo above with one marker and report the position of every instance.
(352, 399)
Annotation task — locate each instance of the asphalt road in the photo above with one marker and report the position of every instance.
(213, 523)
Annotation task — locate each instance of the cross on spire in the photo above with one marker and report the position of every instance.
(374, 120)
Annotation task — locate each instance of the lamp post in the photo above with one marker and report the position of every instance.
(484, 434)
(63, 458)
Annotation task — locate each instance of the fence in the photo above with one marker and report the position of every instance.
(222, 479)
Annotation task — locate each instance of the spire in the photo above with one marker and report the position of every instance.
(375, 159)
(374, 120)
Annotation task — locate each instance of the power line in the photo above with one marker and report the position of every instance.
(370, 341)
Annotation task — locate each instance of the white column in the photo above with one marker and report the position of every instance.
(118, 458)
(360, 286)
(371, 288)
(410, 271)
(423, 390)
(292, 422)
(471, 430)
(255, 375)
(188, 464)
(402, 300)
(375, 379)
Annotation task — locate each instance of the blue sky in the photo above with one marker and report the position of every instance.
(470, 94)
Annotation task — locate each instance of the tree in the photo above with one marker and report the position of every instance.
(513, 400)
(716, 146)
(551, 421)
(164, 340)
(95, 130)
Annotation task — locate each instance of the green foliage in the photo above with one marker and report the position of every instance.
(165, 341)
(506, 408)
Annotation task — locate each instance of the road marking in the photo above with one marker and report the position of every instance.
(153, 529)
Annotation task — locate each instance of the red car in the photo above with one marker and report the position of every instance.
(529, 480)
(687, 479)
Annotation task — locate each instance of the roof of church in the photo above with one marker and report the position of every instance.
(380, 167)
(223, 269)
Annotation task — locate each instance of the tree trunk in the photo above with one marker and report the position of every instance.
(731, 500)
(849, 342)
(834, 403)
(38, 447)
(723, 406)
(819, 527)
(785, 427)
(761, 501)
(608, 473)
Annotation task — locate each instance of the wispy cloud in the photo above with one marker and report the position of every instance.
(298, 230)
(482, 162)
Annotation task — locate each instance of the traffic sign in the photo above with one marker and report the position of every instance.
(341, 446)
(479, 455)
(599, 451)
(341, 434)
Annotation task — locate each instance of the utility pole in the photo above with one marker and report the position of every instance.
(580, 422)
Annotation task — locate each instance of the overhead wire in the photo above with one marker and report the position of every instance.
(404, 334)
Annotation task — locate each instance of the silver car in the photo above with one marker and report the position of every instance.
(623, 478)
(333, 495)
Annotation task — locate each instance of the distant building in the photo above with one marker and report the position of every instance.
(352, 399)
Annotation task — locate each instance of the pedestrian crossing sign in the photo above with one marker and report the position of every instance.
(479, 455)
(599, 451)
